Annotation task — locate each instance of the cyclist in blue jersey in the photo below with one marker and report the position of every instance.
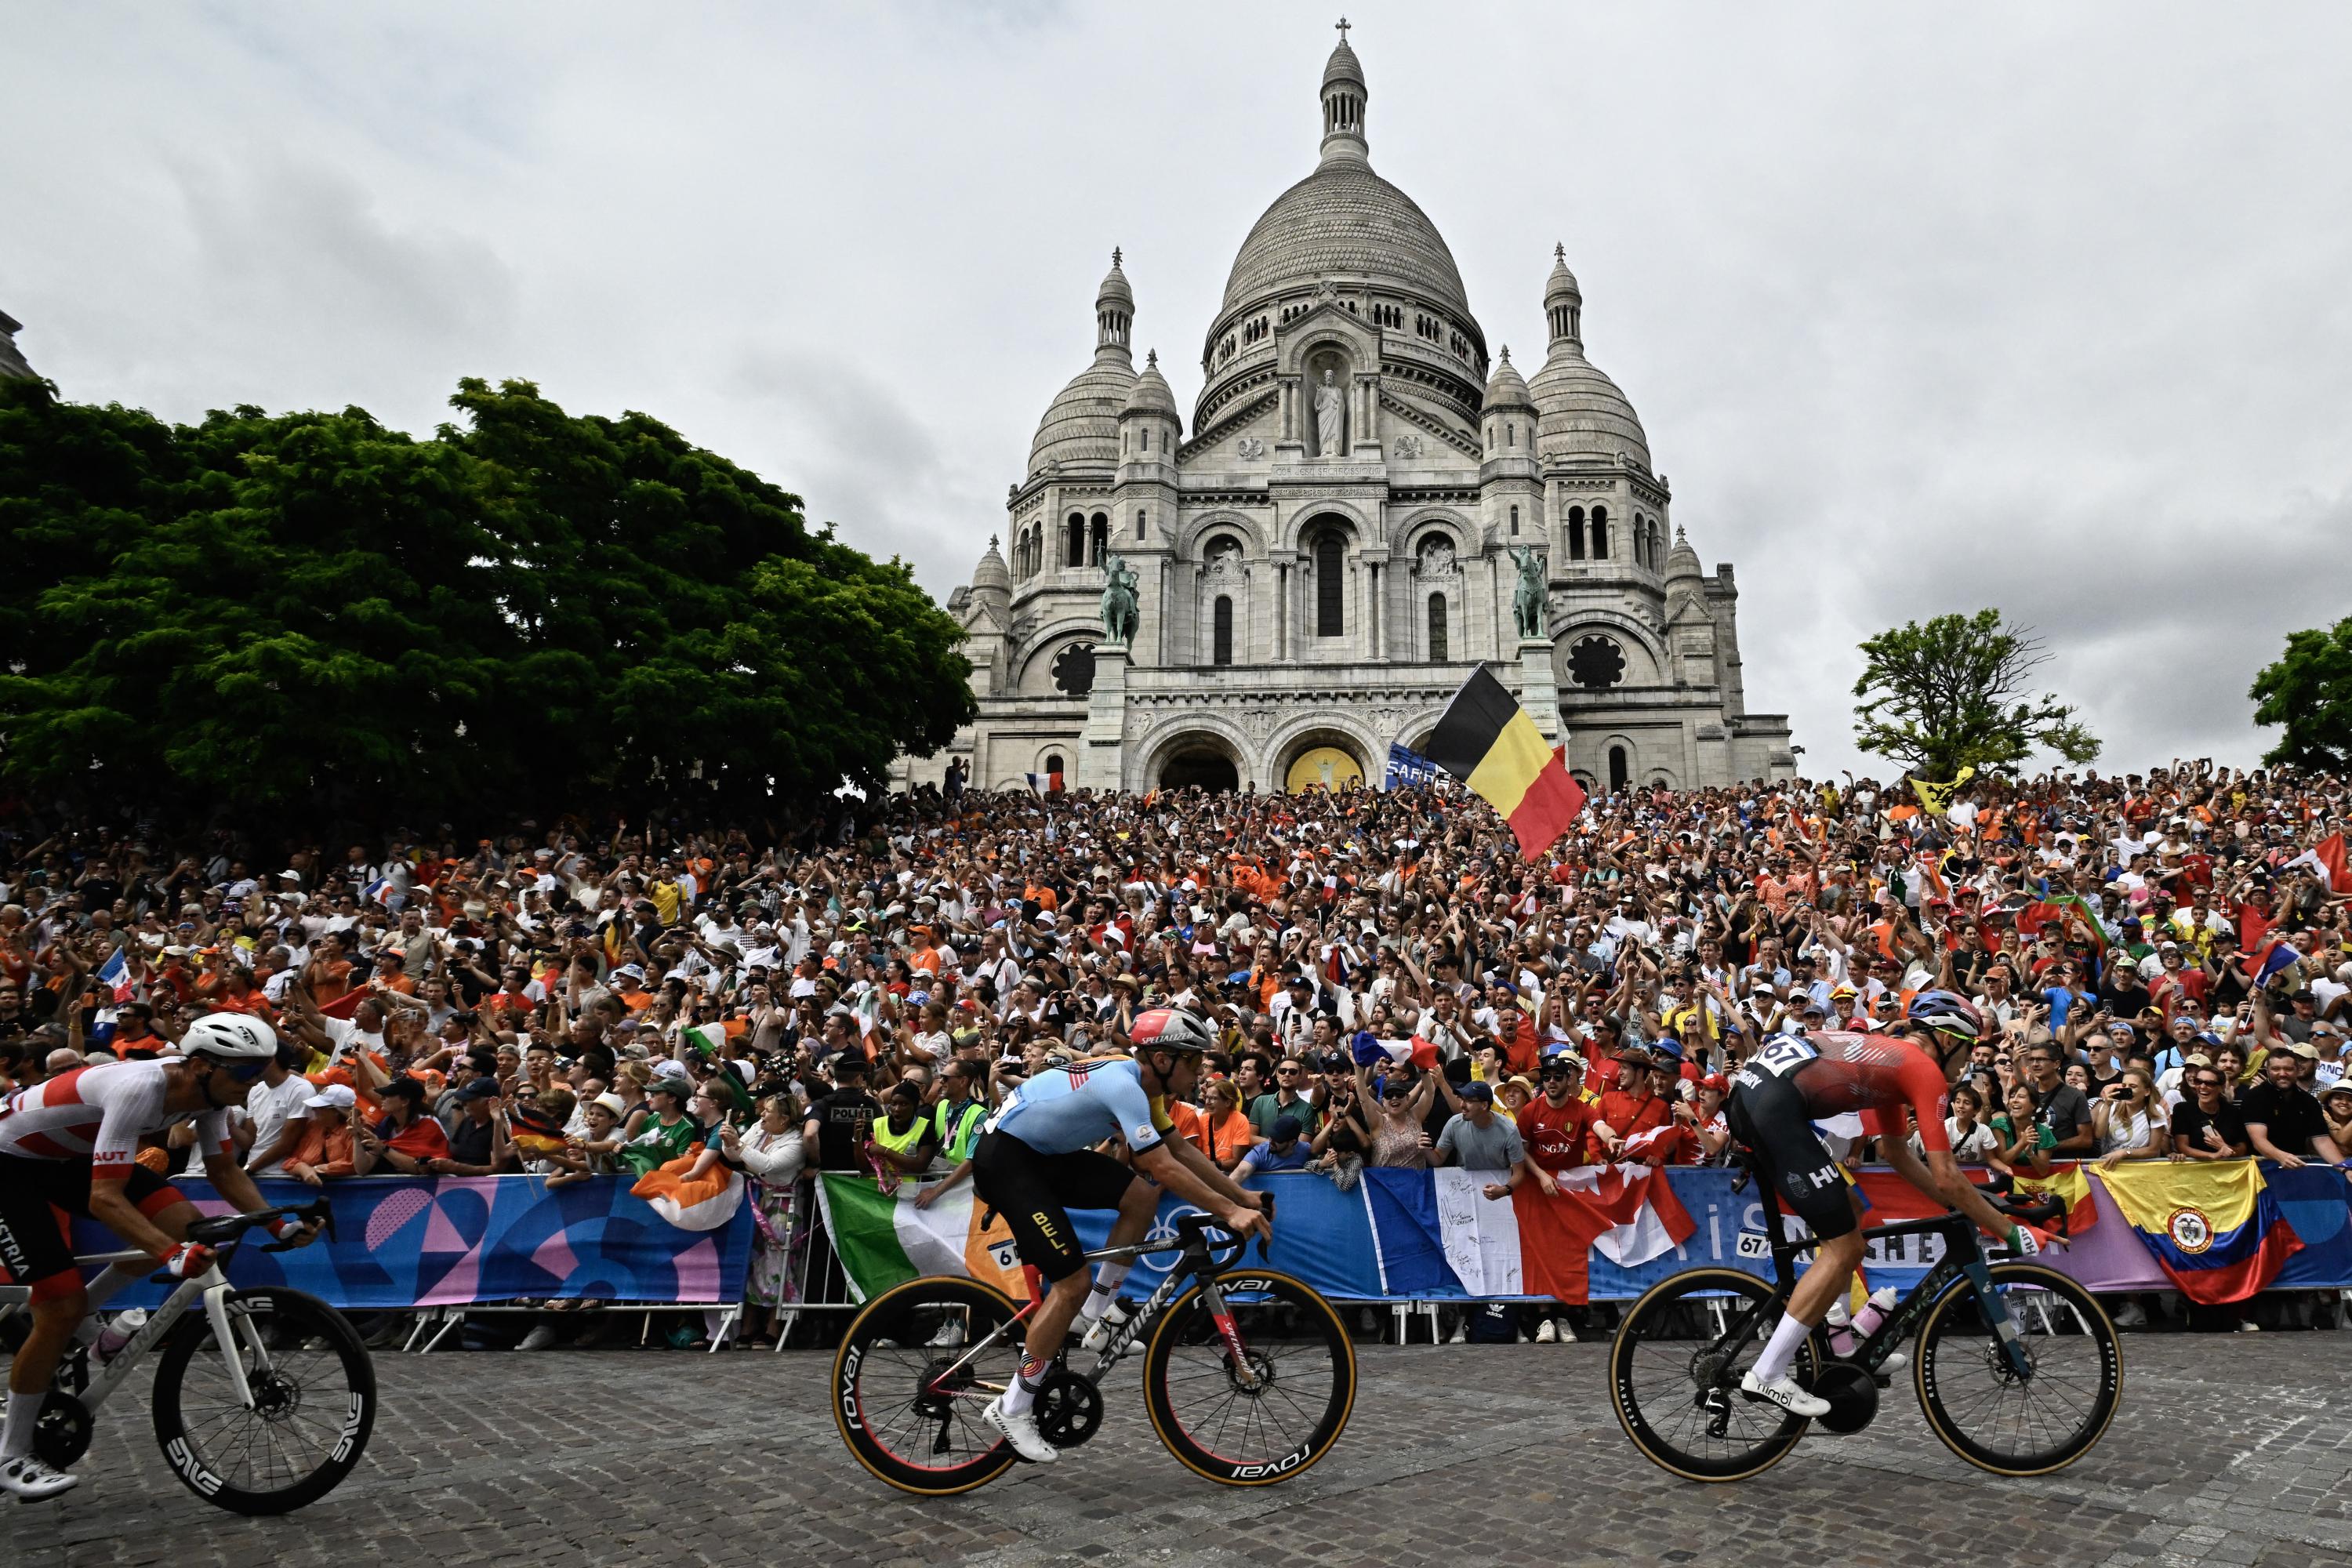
(1036, 1158)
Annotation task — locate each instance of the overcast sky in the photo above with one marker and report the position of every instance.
(1923, 308)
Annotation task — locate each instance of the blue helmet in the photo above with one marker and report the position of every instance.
(1947, 1012)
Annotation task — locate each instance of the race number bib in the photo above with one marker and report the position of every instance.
(1783, 1056)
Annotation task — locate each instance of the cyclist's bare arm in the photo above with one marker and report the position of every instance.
(1205, 1189)
(1940, 1177)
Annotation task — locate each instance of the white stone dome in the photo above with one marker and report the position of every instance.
(1345, 222)
(1580, 414)
(1507, 389)
(1150, 394)
(1682, 561)
(992, 574)
(1081, 425)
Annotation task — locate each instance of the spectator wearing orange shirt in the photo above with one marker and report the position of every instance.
(326, 1150)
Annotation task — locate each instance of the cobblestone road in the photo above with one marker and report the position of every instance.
(2228, 1451)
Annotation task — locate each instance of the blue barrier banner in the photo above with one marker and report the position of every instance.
(403, 1241)
(1321, 1235)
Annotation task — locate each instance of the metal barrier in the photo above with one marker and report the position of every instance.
(814, 1282)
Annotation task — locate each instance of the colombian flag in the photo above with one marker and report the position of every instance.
(1486, 740)
(2215, 1228)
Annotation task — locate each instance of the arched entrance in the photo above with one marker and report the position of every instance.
(1199, 767)
(1322, 759)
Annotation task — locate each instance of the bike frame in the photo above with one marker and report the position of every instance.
(104, 1377)
(1194, 1263)
(1963, 1259)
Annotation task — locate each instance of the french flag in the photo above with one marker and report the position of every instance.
(115, 975)
(374, 892)
(1044, 784)
(2325, 859)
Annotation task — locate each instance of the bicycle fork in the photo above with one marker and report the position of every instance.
(1996, 1312)
(1227, 1330)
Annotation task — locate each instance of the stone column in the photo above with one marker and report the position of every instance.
(1102, 748)
(1539, 690)
(1281, 609)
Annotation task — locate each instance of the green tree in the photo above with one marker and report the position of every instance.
(2309, 692)
(303, 619)
(1950, 694)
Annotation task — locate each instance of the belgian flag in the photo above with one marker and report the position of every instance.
(1486, 740)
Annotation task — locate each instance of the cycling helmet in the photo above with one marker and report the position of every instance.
(1947, 1012)
(229, 1036)
(1170, 1029)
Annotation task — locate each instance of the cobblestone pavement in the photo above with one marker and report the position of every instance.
(2228, 1451)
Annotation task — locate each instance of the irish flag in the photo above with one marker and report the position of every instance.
(887, 1241)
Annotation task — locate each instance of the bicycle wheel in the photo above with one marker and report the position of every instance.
(1677, 1393)
(1301, 1391)
(920, 1438)
(314, 1403)
(1978, 1405)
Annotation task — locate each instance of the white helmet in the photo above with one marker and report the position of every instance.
(229, 1036)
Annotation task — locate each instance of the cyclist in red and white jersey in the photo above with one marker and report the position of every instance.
(1792, 1083)
(70, 1143)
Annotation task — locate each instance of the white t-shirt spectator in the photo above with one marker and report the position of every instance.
(272, 1109)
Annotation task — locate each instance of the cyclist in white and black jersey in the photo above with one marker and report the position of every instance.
(70, 1143)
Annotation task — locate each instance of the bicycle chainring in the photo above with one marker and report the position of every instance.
(1853, 1394)
(64, 1429)
(1068, 1409)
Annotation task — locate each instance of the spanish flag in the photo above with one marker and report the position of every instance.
(2215, 1227)
(1486, 740)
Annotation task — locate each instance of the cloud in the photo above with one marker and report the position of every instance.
(1920, 314)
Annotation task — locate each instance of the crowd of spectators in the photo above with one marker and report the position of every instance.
(1393, 984)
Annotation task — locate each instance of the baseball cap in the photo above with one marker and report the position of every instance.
(1286, 1128)
(480, 1088)
(1479, 1091)
(335, 1097)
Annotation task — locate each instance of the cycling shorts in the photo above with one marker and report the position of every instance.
(1034, 1192)
(1767, 1113)
(38, 1199)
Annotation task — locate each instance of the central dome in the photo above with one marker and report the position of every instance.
(1346, 221)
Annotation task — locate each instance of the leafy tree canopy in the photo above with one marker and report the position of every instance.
(308, 617)
(1950, 693)
(2309, 692)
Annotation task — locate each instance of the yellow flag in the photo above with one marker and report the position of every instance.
(1937, 797)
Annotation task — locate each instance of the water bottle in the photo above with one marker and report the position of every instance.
(1840, 1325)
(1873, 1313)
(121, 1331)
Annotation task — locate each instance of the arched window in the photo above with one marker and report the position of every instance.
(1641, 540)
(1514, 523)
(1576, 534)
(1600, 534)
(1074, 541)
(1099, 541)
(1437, 628)
(1618, 769)
(1054, 763)
(1143, 523)
(1221, 631)
(1331, 586)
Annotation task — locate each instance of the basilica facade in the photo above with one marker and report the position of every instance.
(1365, 505)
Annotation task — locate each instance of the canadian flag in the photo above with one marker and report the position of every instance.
(2325, 859)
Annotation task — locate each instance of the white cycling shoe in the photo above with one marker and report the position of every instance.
(1783, 1391)
(31, 1479)
(1020, 1430)
(1094, 1337)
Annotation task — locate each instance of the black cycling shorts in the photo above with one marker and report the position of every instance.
(34, 1244)
(1766, 1113)
(1032, 1191)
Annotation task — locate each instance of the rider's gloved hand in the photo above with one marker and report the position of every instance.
(187, 1261)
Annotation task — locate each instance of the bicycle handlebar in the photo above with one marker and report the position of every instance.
(228, 1229)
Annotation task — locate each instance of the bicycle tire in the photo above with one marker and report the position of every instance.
(293, 1320)
(878, 1402)
(1294, 1334)
(1954, 1339)
(1676, 1322)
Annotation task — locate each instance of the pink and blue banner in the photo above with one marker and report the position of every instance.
(403, 1241)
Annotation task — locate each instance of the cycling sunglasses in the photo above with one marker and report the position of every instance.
(244, 1069)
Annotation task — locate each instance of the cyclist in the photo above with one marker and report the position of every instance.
(71, 1142)
(1794, 1080)
(1036, 1156)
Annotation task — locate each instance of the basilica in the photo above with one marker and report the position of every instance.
(1365, 505)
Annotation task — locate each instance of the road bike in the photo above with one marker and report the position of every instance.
(2017, 1366)
(1249, 1375)
(263, 1398)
